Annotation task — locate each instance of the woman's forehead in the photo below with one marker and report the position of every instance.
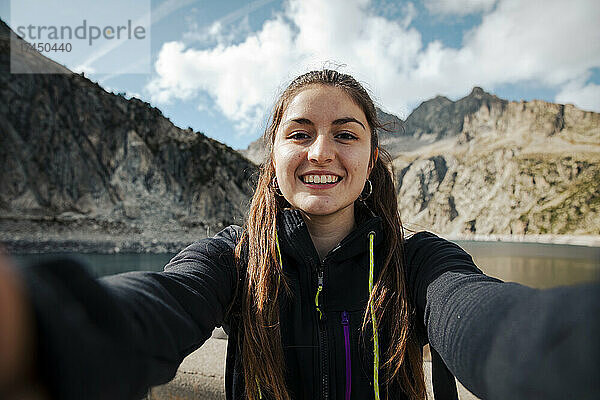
(322, 104)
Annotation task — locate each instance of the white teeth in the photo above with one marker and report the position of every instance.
(320, 179)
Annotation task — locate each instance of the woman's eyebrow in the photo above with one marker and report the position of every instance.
(339, 121)
(302, 121)
(345, 120)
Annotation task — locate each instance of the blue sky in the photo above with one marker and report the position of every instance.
(218, 66)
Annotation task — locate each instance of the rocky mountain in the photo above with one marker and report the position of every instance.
(79, 161)
(440, 117)
(255, 152)
(511, 168)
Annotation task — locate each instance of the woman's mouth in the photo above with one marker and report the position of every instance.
(320, 181)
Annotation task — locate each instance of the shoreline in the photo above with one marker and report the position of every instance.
(573, 240)
(173, 243)
(101, 246)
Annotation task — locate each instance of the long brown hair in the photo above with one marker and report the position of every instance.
(264, 370)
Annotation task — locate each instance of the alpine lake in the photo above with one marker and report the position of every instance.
(533, 264)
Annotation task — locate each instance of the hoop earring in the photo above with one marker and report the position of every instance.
(275, 187)
(362, 197)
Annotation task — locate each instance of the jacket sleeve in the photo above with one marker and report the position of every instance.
(115, 337)
(505, 340)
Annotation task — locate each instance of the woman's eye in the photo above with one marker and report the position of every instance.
(298, 135)
(346, 135)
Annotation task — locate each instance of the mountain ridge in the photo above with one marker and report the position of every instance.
(533, 168)
(82, 157)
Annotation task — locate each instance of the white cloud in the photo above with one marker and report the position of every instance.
(410, 12)
(458, 7)
(241, 79)
(586, 97)
(217, 33)
(547, 42)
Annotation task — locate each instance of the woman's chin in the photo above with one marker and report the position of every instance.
(321, 207)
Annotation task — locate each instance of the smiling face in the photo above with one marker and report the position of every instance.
(321, 151)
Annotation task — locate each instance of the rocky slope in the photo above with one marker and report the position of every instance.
(512, 168)
(80, 162)
(255, 152)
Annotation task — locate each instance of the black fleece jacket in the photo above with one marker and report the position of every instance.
(117, 336)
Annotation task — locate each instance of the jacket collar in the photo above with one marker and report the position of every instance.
(296, 241)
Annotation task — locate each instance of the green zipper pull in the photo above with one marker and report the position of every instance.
(319, 288)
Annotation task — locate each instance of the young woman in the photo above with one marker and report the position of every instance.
(321, 294)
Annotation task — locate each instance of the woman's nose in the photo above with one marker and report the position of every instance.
(322, 150)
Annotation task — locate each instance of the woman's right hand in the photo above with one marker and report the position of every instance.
(17, 339)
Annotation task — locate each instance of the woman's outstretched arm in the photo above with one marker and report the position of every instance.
(117, 336)
(17, 340)
(505, 340)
